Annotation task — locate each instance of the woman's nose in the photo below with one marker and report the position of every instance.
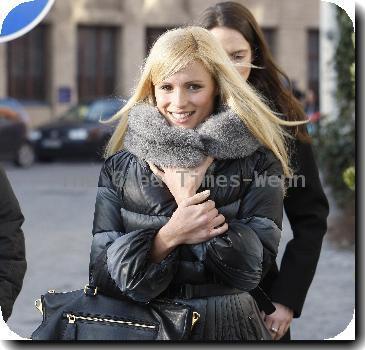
(179, 98)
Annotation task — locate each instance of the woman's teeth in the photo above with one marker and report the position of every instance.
(181, 116)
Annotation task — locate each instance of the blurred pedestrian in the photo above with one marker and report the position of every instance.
(306, 206)
(293, 87)
(188, 118)
(12, 250)
(311, 108)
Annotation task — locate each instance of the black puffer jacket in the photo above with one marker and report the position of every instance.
(12, 250)
(131, 207)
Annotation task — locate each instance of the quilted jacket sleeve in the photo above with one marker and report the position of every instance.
(119, 260)
(13, 264)
(242, 255)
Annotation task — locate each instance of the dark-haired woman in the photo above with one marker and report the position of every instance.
(306, 205)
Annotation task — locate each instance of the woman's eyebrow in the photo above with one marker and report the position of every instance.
(239, 51)
(194, 82)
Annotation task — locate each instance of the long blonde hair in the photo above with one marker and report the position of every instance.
(175, 50)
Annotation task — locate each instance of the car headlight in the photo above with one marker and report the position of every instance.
(34, 135)
(78, 134)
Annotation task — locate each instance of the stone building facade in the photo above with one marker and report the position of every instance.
(89, 48)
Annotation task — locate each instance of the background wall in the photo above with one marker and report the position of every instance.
(88, 48)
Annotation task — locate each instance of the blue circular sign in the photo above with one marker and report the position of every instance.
(18, 17)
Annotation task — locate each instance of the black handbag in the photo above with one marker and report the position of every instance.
(88, 315)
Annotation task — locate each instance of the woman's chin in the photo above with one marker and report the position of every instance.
(186, 124)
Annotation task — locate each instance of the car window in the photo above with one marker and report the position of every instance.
(78, 112)
(104, 109)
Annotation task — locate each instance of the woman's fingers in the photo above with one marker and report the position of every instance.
(156, 171)
(282, 330)
(279, 331)
(208, 205)
(274, 330)
(196, 199)
(207, 162)
(217, 221)
(219, 230)
(279, 320)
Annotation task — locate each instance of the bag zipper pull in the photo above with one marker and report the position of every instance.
(71, 318)
(39, 306)
(195, 319)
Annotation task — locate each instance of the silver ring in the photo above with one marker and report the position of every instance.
(275, 330)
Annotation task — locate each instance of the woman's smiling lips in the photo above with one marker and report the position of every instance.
(181, 117)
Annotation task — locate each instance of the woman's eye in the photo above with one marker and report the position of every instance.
(194, 87)
(238, 58)
(165, 87)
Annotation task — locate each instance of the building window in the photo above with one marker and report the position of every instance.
(152, 35)
(270, 36)
(313, 60)
(27, 66)
(96, 62)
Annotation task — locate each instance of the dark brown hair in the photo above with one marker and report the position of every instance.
(271, 80)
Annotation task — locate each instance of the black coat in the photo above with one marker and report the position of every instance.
(12, 251)
(130, 210)
(307, 211)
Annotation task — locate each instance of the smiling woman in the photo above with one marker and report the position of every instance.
(187, 98)
(203, 243)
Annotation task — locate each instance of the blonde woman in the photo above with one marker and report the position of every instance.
(189, 203)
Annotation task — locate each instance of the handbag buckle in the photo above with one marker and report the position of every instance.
(195, 319)
(90, 290)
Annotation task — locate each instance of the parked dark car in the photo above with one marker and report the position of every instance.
(14, 144)
(78, 133)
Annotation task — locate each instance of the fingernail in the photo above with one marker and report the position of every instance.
(205, 193)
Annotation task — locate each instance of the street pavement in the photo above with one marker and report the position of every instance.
(58, 200)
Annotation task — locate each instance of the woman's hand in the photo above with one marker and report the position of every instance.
(279, 321)
(182, 182)
(194, 221)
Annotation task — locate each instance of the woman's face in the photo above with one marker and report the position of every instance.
(186, 98)
(237, 48)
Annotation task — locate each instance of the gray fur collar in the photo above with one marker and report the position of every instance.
(222, 136)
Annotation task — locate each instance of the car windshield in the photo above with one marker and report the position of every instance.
(78, 112)
(94, 111)
(104, 109)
